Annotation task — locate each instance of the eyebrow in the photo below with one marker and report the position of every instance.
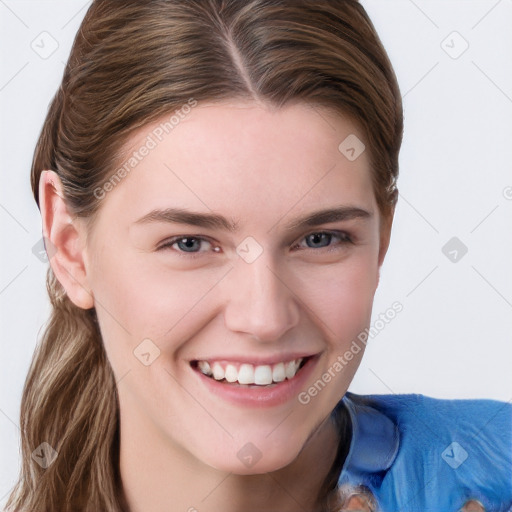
(216, 221)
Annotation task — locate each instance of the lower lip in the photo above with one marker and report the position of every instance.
(261, 396)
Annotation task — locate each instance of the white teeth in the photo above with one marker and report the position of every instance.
(204, 366)
(290, 370)
(261, 375)
(246, 374)
(231, 373)
(218, 371)
(278, 372)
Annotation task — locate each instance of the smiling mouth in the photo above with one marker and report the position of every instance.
(249, 374)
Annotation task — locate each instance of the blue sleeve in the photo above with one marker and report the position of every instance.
(449, 451)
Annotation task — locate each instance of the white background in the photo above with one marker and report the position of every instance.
(453, 337)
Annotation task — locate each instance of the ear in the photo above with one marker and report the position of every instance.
(64, 238)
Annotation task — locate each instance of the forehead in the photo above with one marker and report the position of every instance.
(242, 158)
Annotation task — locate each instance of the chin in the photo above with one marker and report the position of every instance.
(262, 466)
(255, 458)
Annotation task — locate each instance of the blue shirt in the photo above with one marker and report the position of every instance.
(421, 454)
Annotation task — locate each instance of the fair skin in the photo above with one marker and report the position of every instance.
(183, 441)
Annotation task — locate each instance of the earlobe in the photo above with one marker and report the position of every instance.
(64, 241)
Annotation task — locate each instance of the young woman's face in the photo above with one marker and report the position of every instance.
(178, 291)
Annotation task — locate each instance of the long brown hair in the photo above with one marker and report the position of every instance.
(131, 63)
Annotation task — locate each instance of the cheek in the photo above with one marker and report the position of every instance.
(342, 296)
(140, 299)
(341, 301)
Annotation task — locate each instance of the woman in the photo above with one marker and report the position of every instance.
(217, 182)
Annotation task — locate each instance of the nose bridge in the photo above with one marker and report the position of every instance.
(260, 303)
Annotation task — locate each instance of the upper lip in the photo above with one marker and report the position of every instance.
(257, 360)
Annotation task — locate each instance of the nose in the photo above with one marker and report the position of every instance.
(261, 300)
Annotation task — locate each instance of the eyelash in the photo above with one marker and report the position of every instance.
(344, 238)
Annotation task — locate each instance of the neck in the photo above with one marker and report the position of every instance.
(160, 476)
